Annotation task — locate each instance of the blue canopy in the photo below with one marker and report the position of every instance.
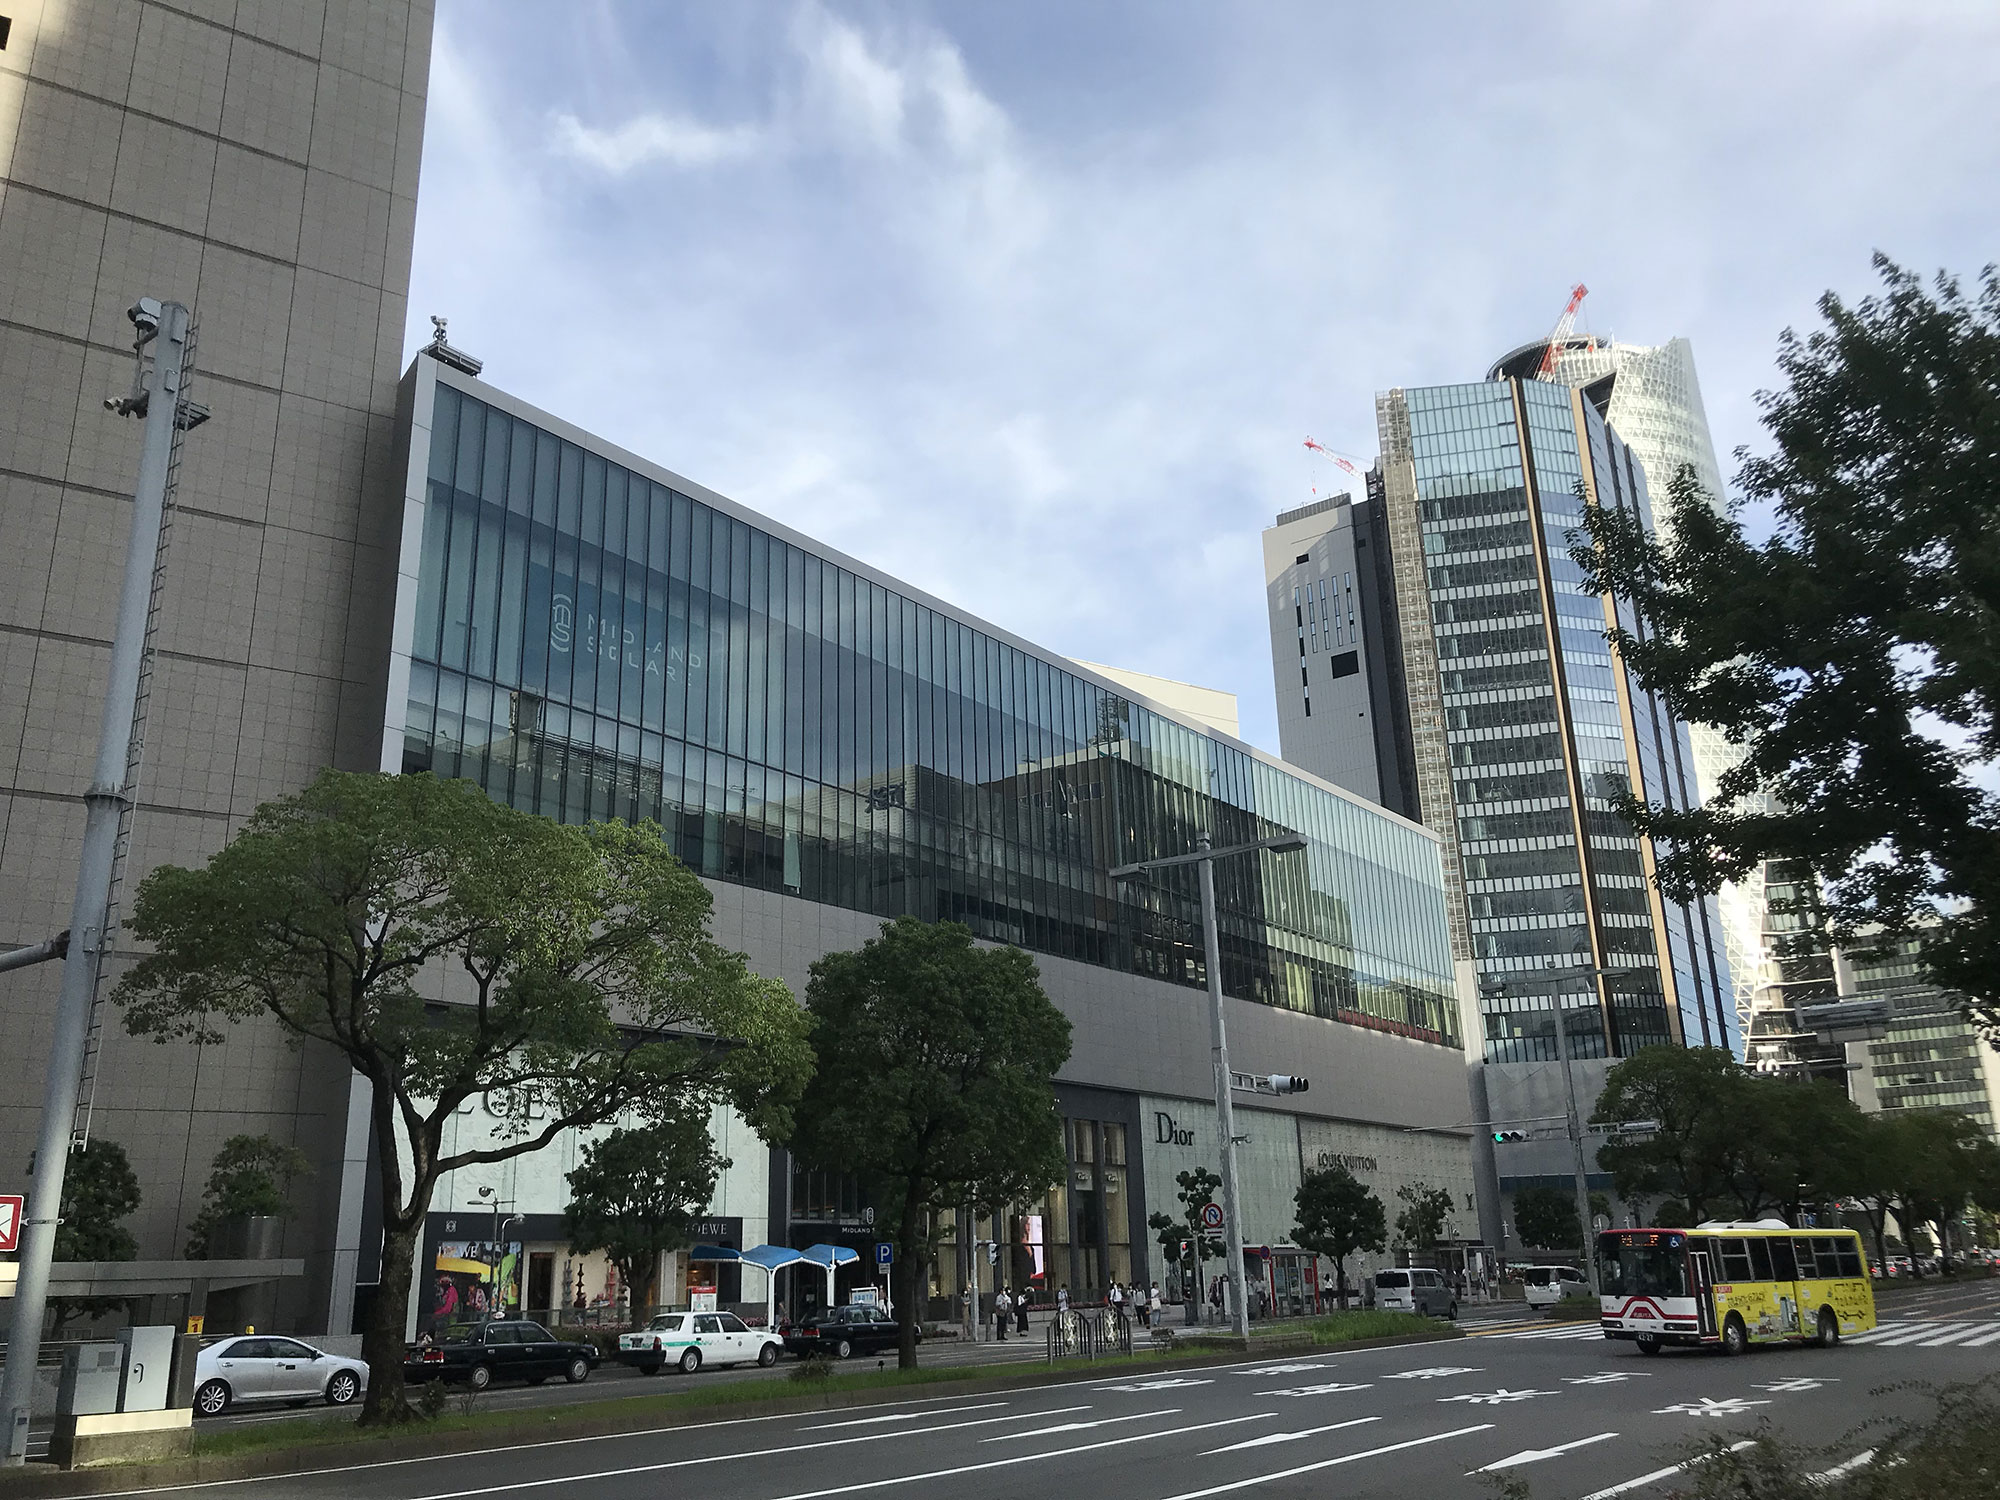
(773, 1257)
(830, 1255)
(714, 1252)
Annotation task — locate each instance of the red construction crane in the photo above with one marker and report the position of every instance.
(1547, 369)
(1325, 452)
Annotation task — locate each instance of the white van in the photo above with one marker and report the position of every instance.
(1545, 1285)
(1417, 1289)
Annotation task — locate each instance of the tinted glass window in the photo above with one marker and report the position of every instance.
(1392, 1278)
(1760, 1259)
(1849, 1253)
(1805, 1251)
(288, 1349)
(536, 1334)
(1535, 1278)
(502, 1333)
(731, 1323)
(248, 1349)
(708, 1323)
(1782, 1268)
(1735, 1260)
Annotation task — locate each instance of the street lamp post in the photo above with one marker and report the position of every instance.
(1204, 858)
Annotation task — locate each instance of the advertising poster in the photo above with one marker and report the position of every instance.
(463, 1274)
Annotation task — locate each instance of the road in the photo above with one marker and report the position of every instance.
(1573, 1414)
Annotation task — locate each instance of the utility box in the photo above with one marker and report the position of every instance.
(91, 1376)
(149, 1368)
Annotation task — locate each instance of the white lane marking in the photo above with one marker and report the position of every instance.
(1952, 1337)
(1325, 1463)
(1169, 1384)
(1883, 1332)
(1658, 1474)
(1983, 1339)
(1298, 1369)
(1002, 1463)
(1592, 1332)
(716, 1458)
(1928, 1331)
(1608, 1377)
(1536, 1455)
(1797, 1383)
(1041, 1432)
(1847, 1466)
(1289, 1437)
(901, 1416)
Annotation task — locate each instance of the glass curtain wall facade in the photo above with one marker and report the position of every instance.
(590, 642)
(1526, 729)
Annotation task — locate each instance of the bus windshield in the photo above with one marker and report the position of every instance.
(1629, 1269)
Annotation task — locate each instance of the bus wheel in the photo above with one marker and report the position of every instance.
(1649, 1343)
(1829, 1329)
(1735, 1337)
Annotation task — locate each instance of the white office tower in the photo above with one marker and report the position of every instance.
(1655, 405)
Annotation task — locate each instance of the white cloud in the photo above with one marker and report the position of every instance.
(651, 139)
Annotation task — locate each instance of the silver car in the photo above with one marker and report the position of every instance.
(265, 1367)
(1416, 1289)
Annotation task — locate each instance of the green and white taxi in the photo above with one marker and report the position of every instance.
(689, 1340)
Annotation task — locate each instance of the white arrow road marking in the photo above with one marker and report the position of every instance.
(1038, 1432)
(1290, 1437)
(1316, 1364)
(1798, 1383)
(1860, 1460)
(1154, 1385)
(1658, 1474)
(908, 1416)
(1325, 1463)
(1536, 1455)
(1606, 1377)
(1496, 1398)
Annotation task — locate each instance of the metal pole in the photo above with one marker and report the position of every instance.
(103, 803)
(1224, 1112)
(38, 953)
(1574, 1124)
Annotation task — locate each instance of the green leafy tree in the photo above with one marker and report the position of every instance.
(1425, 1215)
(1545, 1217)
(1935, 1160)
(935, 1064)
(1338, 1215)
(639, 1192)
(100, 1190)
(1196, 1189)
(448, 947)
(1793, 1140)
(1691, 1093)
(1852, 654)
(251, 1176)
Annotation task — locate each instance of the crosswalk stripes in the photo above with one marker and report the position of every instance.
(1929, 1335)
(1583, 1331)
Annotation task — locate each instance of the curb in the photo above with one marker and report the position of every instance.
(572, 1422)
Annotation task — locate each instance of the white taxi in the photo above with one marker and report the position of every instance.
(690, 1340)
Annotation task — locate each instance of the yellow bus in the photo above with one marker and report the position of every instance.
(1733, 1284)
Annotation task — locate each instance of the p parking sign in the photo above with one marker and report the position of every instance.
(885, 1253)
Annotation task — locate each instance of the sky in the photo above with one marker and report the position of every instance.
(1032, 305)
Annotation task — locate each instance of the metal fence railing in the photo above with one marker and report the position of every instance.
(1088, 1335)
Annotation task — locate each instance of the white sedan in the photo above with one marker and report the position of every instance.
(690, 1340)
(260, 1367)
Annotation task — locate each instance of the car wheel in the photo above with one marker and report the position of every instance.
(690, 1361)
(1452, 1312)
(578, 1371)
(843, 1350)
(1735, 1337)
(1649, 1343)
(480, 1378)
(1829, 1329)
(343, 1388)
(212, 1400)
(652, 1369)
(768, 1355)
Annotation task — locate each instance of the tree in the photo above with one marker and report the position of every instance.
(100, 1189)
(639, 1192)
(250, 1177)
(1851, 655)
(1690, 1093)
(1934, 1163)
(1545, 1217)
(935, 1064)
(1338, 1215)
(1196, 1190)
(448, 947)
(1426, 1211)
(1793, 1139)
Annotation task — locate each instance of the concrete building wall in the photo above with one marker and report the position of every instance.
(258, 162)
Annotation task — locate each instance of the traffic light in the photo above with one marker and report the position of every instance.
(1502, 1137)
(1286, 1083)
(992, 1254)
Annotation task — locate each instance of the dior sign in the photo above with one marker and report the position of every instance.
(1167, 1133)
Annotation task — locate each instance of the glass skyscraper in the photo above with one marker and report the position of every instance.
(1525, 728)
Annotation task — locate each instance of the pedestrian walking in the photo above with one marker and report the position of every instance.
(1003, 1313)
(1062, 1299)
(1116, 1300)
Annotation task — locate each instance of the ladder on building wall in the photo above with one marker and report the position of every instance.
(188, 415)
